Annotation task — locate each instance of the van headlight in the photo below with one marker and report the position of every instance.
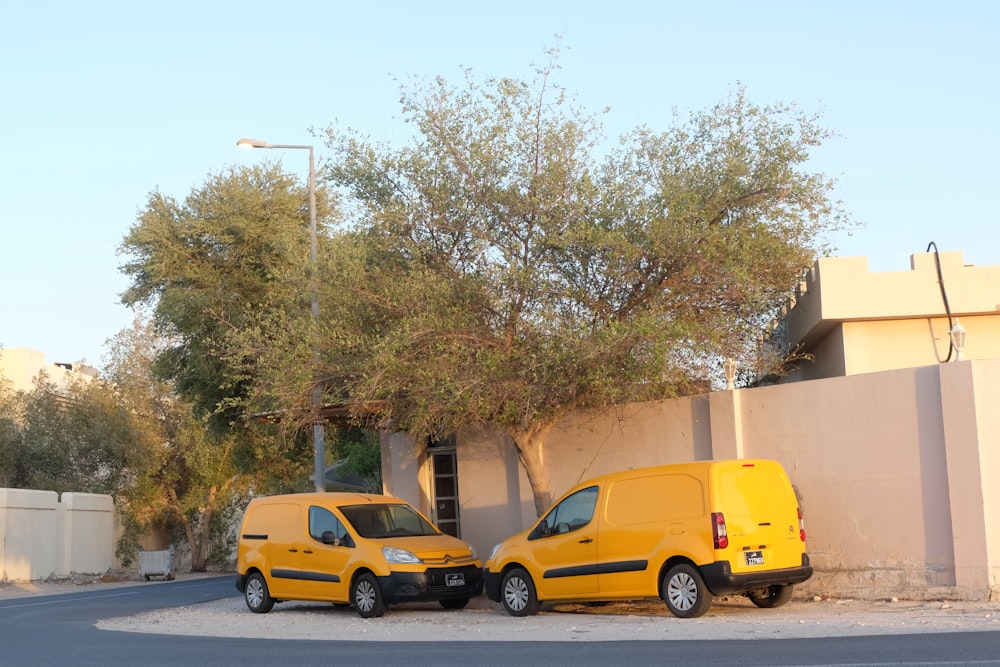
(472, 550)
(397, 555)
(493, 552)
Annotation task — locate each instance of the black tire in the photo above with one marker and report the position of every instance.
(770, 597)
(256, 595)
(517, 593)
(455, 603)
(685, 593)
(366, 596)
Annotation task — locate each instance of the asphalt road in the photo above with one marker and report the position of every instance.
(60, 630)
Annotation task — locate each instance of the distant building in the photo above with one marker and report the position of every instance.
(21, 367)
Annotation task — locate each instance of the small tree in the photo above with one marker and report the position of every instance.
(189, 480)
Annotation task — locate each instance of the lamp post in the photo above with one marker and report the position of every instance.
(319, 446)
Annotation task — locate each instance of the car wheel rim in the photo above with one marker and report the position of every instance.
(254, 593)
(516, 593)
(365, 596)
(682, 592)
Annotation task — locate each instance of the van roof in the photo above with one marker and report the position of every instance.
(690, 467)
(336, 497)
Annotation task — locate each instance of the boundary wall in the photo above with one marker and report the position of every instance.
(896, 471)
(43, 536)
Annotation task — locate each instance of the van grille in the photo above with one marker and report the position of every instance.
(447, 559)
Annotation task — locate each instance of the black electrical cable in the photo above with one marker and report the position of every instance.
(944, 297)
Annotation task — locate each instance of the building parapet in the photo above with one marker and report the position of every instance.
(842, 289)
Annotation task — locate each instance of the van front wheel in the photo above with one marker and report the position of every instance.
(367, 596)
(770, 596)
(685, 592)
(518, 593)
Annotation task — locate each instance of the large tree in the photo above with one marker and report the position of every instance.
(507, 269)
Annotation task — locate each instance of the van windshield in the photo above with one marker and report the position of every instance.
(378, 521)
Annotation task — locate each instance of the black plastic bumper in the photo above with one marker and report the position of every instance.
(431, 585)
(720, 579)
(492, 585)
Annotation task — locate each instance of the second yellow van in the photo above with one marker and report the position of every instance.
(683, 533)
(360, 549)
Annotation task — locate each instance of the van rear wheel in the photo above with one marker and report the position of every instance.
(685, 593)
(256, 595)
(770, 596)
(517, 592)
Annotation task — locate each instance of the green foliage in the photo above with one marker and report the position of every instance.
(74, 439)
(208, 267)
(507, 269)
(189, 482)
(361, 451)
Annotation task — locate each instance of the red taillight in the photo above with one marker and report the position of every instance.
(802, 525)
(719, 531)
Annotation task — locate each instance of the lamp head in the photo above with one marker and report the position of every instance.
(252, 143)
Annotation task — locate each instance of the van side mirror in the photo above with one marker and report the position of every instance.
(541, 530)
(330, 538)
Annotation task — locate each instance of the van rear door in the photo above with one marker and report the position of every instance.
(760, 510)
(280, 525)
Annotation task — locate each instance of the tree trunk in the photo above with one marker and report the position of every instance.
(531, 452)
(203, 540)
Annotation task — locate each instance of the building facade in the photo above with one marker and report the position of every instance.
(21, 367)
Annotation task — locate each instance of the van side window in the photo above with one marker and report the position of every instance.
(574, 512)
(322, 520)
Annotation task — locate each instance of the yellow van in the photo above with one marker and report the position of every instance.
(350, 548)
(683, 533)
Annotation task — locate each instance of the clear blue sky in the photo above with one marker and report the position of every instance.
(104, 102)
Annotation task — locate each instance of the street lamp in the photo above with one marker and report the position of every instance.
(958, 335)
(729, 368)
(319, 445)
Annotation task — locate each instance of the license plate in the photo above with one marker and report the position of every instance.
(753, 557)
(459, 579)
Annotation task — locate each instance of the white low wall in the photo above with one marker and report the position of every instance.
(41, 537)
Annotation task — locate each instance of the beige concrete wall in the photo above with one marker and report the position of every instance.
(41, 537)
(986, 379)
(30, 528)
(970, 396)
(495, 495)
(895, 471)
(867, 459)
(88, 529)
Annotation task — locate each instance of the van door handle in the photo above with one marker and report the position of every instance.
(294, 550)
(308, 551)
(586, 540)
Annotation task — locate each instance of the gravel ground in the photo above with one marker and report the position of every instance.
(482, 620)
